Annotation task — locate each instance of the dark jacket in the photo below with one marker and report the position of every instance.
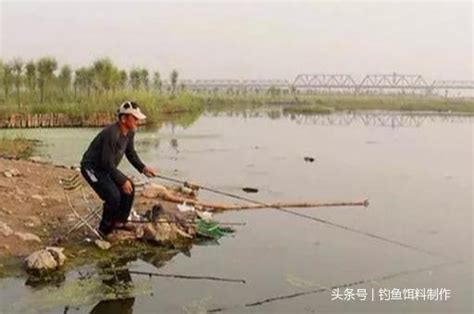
(107, 149)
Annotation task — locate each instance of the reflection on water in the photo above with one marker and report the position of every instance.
(120, 282)
(369, 118)
(416, 170)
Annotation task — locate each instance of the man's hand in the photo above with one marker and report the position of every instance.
(149, 172)
(127, 187)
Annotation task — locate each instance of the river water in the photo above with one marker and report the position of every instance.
(416, 234)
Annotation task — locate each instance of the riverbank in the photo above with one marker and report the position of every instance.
(407, 103)
(16, 147)
(101, 111)
(95, 111)
(34, 213)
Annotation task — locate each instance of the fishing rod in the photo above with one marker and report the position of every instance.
(186, 222)
(212, 278)
(177, 276)
(324, 221)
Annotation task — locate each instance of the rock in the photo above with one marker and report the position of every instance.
(6, 211)
(103, 245)
(5, 229)
(187, 191)
(163, 233)
(309, 159)
(33, 220)
(26, 236)
(58, 254)
(158, 235)
(117, 236)
(37, 159)
(153, 190)
(37, 197)
(12, 173)
(49, 258)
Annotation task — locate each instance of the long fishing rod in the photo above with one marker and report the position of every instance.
(177, 276)
(327, 222)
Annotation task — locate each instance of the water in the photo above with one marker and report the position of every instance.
(416, 171)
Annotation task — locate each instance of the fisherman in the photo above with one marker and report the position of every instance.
(99, 167)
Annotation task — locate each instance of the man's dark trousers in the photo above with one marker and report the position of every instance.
(117, 204)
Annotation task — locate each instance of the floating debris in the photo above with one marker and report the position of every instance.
(249, 190)
(211, 229)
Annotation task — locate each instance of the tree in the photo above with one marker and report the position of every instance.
(135, 78)
(7, 78)
(30, 75)
(83, 80)
(1, 72)
(17, 66)
(79, 80)
(123, 78)
(46, 67)
(104, 74)
(157, 84)
(144, 78)
(64, 78)
(273, 91)
(173, 80)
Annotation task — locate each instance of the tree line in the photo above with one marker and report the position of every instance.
(43, 78)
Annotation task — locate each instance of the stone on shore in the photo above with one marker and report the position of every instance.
(153, 190)
(5, 229)
(103, 245)
(50, 258)
(26, 236)
(12, 173)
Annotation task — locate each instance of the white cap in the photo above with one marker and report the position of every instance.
(130, 107)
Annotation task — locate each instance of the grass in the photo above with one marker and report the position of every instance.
(157, 106)
(17, 147)
(152, 104)
(386, 102)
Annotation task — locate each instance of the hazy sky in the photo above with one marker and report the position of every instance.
(248, 39)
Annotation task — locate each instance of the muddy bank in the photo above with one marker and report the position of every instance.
(33, 209)
(35, 217)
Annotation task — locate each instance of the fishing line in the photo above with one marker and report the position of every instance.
(327, 222)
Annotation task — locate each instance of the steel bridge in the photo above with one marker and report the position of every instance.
(232, 85)
(376, 82)
(329, 83)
